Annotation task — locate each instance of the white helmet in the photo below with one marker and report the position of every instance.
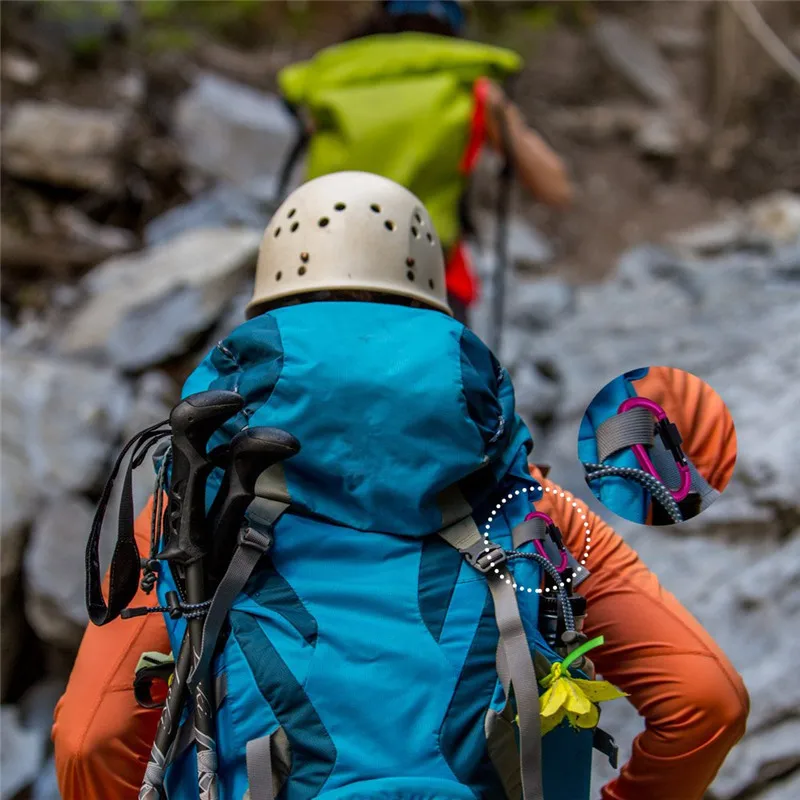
(350, 230)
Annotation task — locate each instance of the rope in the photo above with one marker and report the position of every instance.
(757, 27)
(187, 610)
(547, 566)
(653, 485)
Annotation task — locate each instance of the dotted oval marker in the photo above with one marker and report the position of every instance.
(587, 538)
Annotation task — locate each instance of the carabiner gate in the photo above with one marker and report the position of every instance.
(671, 438)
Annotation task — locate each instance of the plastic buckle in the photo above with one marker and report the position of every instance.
(250, 537)
(486, 558)
(671, 438)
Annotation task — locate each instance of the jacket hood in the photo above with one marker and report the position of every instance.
(392, 407)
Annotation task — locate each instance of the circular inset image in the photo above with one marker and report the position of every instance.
(658, 445)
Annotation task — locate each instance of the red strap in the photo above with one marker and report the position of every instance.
(462, 282)
(477, 128)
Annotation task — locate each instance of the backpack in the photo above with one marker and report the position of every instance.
(633, 459)
(381, 643)
(408, 106)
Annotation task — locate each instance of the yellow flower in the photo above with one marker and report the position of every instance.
(573, 698)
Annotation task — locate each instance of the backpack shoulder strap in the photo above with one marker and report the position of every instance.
(515, 663)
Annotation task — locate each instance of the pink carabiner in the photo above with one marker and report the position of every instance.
(540, 547)
(641, 454)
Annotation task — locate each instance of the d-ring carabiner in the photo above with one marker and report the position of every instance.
(555, 534)
(669, 435)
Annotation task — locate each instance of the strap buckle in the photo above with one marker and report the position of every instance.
(258, 540)
(485, 556)
(670, 437)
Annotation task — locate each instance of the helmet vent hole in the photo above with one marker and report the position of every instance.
(431, 284)
(415, 231)
(389, 225)
(323, 221)
(291, 213)
(301, 271)
(277, 232)
(376, 208)
(295, 226)
(278, 276)
(410, 262)
(340, 207)
(410, 275)
(304, 257)
(430, 238)
(418, 218)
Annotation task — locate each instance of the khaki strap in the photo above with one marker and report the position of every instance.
(517, 666)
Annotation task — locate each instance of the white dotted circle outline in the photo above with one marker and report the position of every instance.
(587, 535)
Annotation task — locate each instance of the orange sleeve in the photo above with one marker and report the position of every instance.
(704, 422)
(693, 701)
(102, 736)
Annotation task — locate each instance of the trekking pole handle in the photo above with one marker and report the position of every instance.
(194, 421)
(251, 452)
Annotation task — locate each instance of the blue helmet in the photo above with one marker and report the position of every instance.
(449, 11)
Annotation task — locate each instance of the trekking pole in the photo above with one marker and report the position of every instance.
(193, 422)
(501, 243)
(251, 452)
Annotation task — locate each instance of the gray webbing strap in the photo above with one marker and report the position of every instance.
(635, 426)
(529, 531)
(668, 470)
(536, 530)
(518, 662)
(253, 543)
(259, 768)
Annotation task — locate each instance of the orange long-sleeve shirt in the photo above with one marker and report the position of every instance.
(694, 703)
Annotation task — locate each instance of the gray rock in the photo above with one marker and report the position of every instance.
(221, 207)
(46, 785)
(637, 59)
(526, 248)
(38, 704)
(760, 758)
(538, 304)
(20, 69)
(659, 135)
(104, 237)
(55, 603)
(73, 147)
(231, 132)
(712, 238)
(731, 317)
(21, 753)
(144, 308)
(777, 217)
(537, 396)
(787, 789)
(60, 421)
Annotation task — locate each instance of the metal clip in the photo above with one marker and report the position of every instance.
(671, 438)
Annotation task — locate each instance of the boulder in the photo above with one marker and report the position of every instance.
(73, 147)
(636, 58)
(21, 753)
(61, 420)
(230, 132)
(55, 602)
(144, 308)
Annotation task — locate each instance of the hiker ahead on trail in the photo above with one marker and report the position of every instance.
(360, 584)
(406, 98)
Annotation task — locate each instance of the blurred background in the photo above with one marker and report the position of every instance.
(140, 149)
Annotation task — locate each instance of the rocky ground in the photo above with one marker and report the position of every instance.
(132, 215)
